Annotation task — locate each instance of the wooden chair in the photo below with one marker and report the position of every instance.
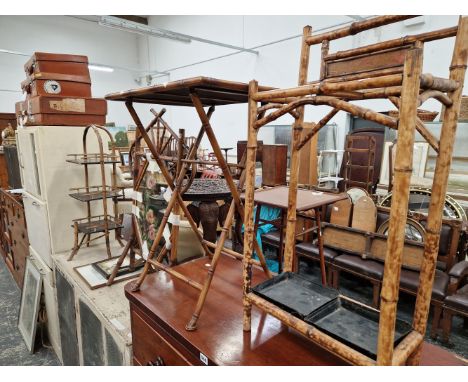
(456, 303)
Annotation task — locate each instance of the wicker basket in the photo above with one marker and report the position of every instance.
(463, 116)
(424, 115)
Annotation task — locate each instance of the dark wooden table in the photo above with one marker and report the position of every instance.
(306, 200)
(161, 309)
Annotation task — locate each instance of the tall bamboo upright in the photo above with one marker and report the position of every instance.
(399, 210)
(439, 187)
(294, 161)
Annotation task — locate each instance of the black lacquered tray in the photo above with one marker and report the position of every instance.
(295, 294)
(354, 324)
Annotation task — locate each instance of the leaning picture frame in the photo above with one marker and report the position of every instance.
(30, 304)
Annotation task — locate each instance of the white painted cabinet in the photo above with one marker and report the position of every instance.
(48, 177)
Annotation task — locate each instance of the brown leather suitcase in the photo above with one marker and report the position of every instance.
(57, 63)
(65, 85)
(45, 110)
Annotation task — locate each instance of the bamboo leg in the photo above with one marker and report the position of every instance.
(399, 209)
(109, 254)
(439, 186)
(77, 245)
(227, 174)
(281, 244)
(320, 246)
(290, 241)
(119, 262)
(176, 210)
(249, 233)
(192, 325)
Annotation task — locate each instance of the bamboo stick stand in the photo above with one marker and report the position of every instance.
(389, 70)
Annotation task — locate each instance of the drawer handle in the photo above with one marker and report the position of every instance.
(158, 362)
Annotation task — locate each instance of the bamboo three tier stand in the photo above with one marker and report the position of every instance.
(96, 224)
(387, 70)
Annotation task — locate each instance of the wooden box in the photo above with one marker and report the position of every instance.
(65, 85)
(60, 111)
(57, 63)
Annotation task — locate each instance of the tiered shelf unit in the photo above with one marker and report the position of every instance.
(96, 224)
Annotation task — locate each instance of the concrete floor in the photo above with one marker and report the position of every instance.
(13, 351)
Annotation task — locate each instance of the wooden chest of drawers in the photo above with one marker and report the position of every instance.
(162, 307)
(152, 346)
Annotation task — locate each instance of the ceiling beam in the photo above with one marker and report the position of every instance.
(135, 19)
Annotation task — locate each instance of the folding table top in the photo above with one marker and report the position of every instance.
(211, 91)
(306, 199)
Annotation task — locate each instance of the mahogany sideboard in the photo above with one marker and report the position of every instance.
(163, 306)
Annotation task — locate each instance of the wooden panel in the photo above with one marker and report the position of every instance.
(91, 336)
(67, 320)
(341, 212)
(274, 163)
(308, 158)
(413, 255)
(148, 345)
(3, 172)
(367, 63)
(13, 168)
(364, 214)
(354, 242)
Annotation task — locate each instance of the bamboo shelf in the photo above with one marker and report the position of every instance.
(94, 193)
(97, 224)
(386, 70)
(100, 224)
(95, 158)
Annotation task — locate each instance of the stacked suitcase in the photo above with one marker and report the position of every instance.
(58, 92)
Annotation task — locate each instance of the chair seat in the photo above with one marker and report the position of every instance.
(368, 268)
(272, 237)
(410, 280)
(311, 250)
(459, 300)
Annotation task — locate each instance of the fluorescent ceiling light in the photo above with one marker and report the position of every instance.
(100, 68)
(130, 26)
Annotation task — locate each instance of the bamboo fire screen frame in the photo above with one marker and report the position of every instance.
(176, 203)
(407, 88)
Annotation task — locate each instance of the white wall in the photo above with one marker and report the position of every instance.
(62, 34)
(276, 65)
